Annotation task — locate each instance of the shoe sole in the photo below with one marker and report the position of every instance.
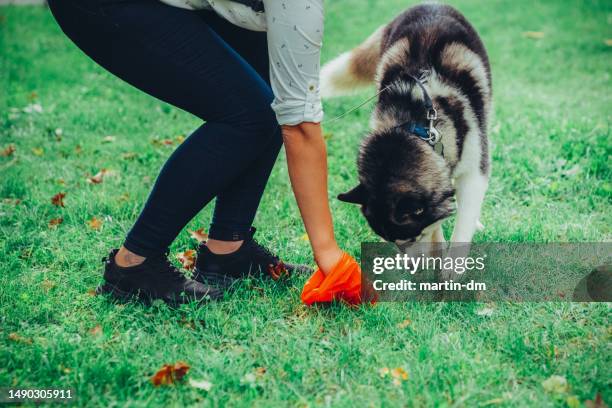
(126, 296)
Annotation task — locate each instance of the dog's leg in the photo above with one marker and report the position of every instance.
(471, 189)
(352, 70)
(438, 235)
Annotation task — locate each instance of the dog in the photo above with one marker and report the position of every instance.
(428, 142)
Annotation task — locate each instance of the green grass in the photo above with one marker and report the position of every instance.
(551, 182)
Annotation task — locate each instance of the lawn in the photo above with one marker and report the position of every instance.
(551, 148)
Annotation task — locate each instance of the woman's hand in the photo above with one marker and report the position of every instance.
(307, 163)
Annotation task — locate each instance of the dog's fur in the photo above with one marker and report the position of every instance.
(406, 189)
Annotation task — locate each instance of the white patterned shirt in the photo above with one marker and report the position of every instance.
(295, 35)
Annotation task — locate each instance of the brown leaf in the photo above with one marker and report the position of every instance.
(11, 201)
(47, 285)
(58, 199)
(98, 177)
(260, 371)
(187, 258)
(278, 271)
(8, 150)
(170, 374)
(55, 222)
(199, 235)
(19, 339)
(162, 142)
(78, 149)
(96, 330)
(91, 292)
(598, 402)
(399, 373)
(404, 324)
(534, 35)
(95, 223)
(129, 155)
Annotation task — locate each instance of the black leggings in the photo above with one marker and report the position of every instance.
(205, 65)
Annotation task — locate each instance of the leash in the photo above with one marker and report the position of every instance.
(353, 109)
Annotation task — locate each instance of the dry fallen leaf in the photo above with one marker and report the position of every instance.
(47, 284)
(200, 384)
(485, 311)
(400, 373)
(55, 222)
(260, 371)
(108, 139)
(38, 151)
(170, 374)
(129, 155)
(96, 330)
(180, 139)
(278, 271)
(33, 108)
(98, 177)
(58, 199)
(91, 292)
(8, 150)
(534, 35)
(19, 339)
(11, 201)
(598, 402)
(162, 142)
(187, 258)
(199, 235)
(555, 384)
(95, 223)
(404, 324)
(608, 42)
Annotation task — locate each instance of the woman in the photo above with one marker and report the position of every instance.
(243, 71)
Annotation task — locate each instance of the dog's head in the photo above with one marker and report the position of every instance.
(405, 186)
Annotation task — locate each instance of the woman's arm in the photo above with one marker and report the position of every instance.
(307, 163)
(295, 37)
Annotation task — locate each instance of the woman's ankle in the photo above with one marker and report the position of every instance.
(223, 247)
(126, 258)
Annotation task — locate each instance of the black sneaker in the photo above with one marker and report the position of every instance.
(155, 278)
(251, 259)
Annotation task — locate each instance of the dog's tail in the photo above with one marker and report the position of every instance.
(354, 69)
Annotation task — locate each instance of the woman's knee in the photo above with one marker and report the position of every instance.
(258, 121)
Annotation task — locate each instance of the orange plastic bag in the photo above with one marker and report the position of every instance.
(342, 283)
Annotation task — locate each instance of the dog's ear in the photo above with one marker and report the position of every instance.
(357, 195)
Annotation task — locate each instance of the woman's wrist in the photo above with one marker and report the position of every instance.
(327, 258)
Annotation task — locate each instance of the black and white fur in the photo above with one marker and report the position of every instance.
(406, 189)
